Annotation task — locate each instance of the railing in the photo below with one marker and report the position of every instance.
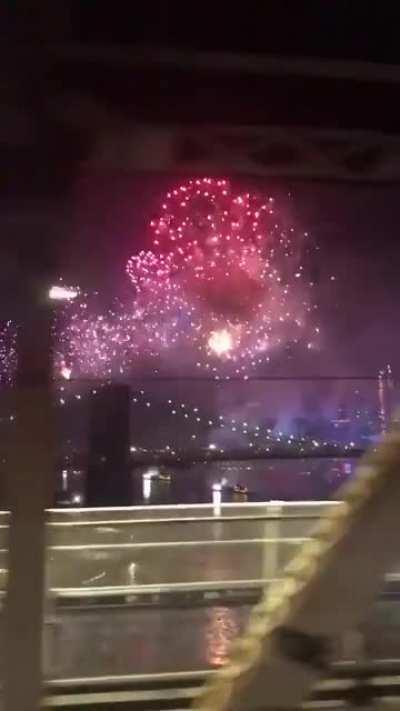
(134, 551)
(360, 675)
(193, 553)
(199, 551)
(348, 683)
(183, 558)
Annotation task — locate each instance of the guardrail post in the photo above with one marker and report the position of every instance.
(30, 472)
(270, 564)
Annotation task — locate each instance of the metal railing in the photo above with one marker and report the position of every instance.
(348, 683)
(131, 555)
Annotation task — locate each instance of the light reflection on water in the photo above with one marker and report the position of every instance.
(287, 480)
(222, 628)
(215, 482)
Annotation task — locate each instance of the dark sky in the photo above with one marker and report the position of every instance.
(350, 29)
(345, 29)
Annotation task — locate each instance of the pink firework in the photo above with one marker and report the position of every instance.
(222, 289)
(228, 271)
(8, 352)
(94, 342)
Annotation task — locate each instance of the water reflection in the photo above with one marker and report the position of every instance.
(239, 482)
(222, 482)
(130, 641)
(217, 498)
(119, 641)
(221, 629)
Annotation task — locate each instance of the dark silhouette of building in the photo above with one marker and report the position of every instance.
(108, 478)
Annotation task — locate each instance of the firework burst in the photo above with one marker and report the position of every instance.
(221, 289)
(227, 276)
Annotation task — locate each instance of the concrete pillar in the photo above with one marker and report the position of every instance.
(30, 475)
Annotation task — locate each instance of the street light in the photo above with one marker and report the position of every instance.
(62, 293)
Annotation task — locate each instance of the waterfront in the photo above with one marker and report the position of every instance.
(225, 481)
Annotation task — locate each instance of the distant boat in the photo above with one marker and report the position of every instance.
(240, 489)
(155, 475)
(164, 476)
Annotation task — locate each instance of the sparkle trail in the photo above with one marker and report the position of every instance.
(8, 351)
